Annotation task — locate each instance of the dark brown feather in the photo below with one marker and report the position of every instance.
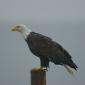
(48, 50)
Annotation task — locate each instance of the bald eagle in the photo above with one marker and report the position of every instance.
(46, 49)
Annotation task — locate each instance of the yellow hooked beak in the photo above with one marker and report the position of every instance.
(14, 29)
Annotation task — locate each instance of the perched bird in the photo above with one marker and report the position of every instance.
(46, 49)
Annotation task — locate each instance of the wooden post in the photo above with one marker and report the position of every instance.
(38, 77)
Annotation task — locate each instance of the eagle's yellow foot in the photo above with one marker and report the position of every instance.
(41, 68)
(44, 68)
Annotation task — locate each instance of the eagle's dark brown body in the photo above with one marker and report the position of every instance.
(48, 50)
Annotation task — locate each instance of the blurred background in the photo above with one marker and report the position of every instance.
(62, 20)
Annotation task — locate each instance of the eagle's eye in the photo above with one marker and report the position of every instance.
(17, 26)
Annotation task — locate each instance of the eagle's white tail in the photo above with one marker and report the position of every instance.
(70, 70)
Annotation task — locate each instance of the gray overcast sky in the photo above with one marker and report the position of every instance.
(62, 20)
(42, 9)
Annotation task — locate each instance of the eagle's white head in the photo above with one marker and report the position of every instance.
(23, 29)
